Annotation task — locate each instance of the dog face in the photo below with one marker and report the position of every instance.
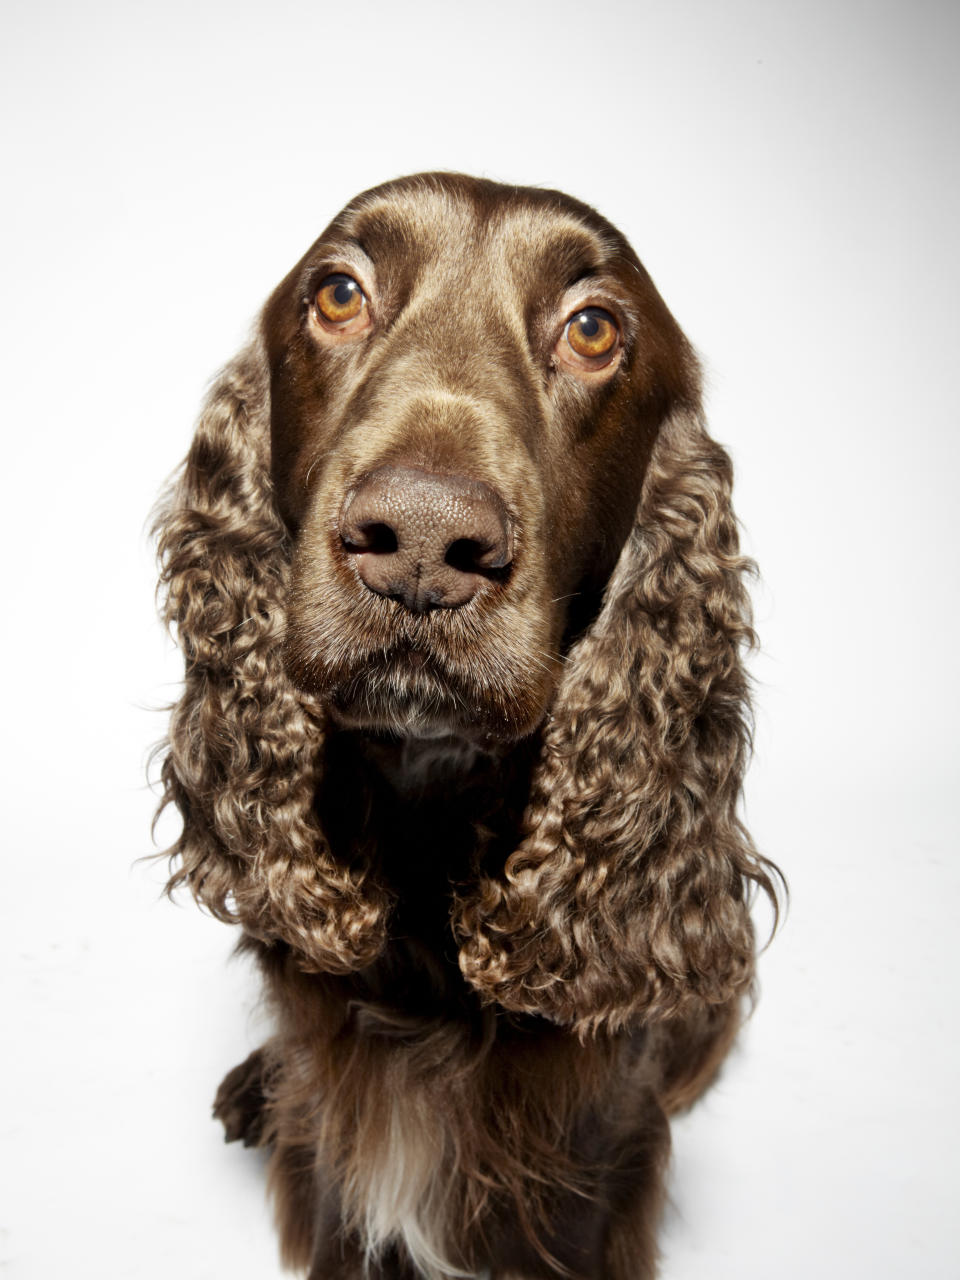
(460, 487)
(466, 382)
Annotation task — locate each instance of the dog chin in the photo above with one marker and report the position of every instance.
(427, 711)
(412, 721)
(412, 697)
(399, 720)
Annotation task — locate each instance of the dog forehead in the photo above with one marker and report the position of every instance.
(519, 234)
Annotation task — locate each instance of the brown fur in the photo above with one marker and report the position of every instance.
(488, 856)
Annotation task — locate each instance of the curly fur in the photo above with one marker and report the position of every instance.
(245, 747)
(628, 895)
(445, 1092)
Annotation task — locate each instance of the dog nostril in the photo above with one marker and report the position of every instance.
(468, 555)
(372, 535)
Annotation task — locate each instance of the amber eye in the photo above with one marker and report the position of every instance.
(592, 333)
(340, 299)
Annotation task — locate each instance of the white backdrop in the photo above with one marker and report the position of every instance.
(789, 174)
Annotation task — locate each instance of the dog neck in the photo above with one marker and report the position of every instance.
(440, 801)
(416, 768)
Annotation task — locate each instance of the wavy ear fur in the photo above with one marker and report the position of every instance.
(244, 746)
(629, 895)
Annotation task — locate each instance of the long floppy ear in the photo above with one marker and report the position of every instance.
(244, 748)
(629, 896)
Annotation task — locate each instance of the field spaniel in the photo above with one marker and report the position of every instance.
(454, 569)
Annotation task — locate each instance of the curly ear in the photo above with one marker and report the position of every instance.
(629, 895)
(244, 747)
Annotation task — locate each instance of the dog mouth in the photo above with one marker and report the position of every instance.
(412, 692)
(396, 695)
(405, 692)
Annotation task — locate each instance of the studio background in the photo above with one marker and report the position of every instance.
(788, 172)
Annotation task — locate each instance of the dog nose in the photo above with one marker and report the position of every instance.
(425, 539)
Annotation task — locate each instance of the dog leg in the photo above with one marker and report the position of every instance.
(240, 1104)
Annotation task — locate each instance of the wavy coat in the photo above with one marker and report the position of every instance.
(499, 889)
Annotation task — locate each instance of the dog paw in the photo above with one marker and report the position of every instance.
(240, 1104)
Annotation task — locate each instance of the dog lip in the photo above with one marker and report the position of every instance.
(407, 693)
(403, 673)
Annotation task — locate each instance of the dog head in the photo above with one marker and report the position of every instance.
(459, 485)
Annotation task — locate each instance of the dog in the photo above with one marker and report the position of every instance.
(454, 568)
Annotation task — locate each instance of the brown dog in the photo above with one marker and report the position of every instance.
(455, 572)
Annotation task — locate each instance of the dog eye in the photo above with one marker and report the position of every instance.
(340, 300)
(592, 334)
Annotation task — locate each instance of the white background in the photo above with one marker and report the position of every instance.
(789, 174)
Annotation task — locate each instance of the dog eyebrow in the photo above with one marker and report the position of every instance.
(566, 253)
(386, 228)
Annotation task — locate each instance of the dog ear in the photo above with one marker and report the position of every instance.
(244, 747)
(629, 894)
